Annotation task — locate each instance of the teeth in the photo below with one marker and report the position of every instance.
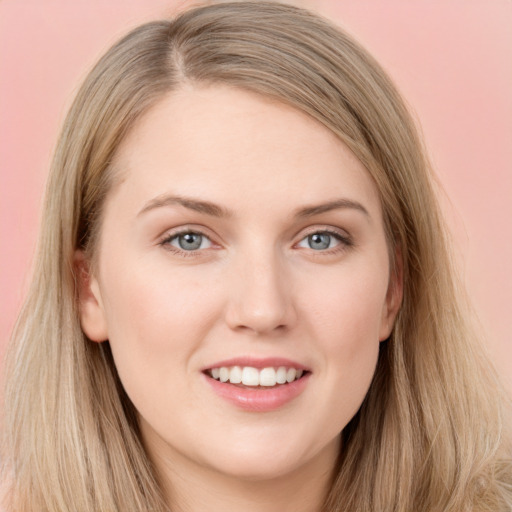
(250, 376)
(281, 375)
(224, 374)
(235, 375)
(268, 377)
(291, 374)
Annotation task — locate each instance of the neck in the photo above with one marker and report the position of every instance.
(192, 488)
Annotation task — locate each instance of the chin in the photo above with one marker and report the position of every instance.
(260, 469)
(272, 461)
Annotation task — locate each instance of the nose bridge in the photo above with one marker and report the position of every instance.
(260, 298)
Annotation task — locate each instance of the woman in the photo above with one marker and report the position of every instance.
(243, 294)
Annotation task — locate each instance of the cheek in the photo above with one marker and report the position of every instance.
(148, 300)
(344, 316)
(346, 307)
(156, 321)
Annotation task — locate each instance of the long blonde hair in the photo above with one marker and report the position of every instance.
(431, 434)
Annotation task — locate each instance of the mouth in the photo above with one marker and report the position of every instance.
(258, 384)
(256, 378)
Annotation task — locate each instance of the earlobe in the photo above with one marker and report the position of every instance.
(92, 313)
(393, 297)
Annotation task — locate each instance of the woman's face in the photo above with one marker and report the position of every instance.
(243, 241)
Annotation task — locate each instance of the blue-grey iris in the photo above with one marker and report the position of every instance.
(319, 241)
(190, 241)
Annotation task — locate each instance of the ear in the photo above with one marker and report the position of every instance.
(394, 297)
(92, 313)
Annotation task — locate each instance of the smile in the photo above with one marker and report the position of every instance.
(253, 377)
(258, 385)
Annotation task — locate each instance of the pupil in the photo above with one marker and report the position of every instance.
(190, 241)
(319, 241)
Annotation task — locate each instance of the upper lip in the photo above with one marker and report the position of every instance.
(260, 363)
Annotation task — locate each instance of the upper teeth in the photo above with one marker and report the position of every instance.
(250, 376)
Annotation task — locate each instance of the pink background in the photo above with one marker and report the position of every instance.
(452, 60)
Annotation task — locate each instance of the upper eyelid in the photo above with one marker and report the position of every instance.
(165, 242)
(172, 236)
(325, 229)
(343, 233)
(343, 237)
(174, 232)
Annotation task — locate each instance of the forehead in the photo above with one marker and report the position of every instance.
(236, 147)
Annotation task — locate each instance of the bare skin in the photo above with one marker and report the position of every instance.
(240, 228)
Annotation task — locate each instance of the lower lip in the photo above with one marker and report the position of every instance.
(259, 399)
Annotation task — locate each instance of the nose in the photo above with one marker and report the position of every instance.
(260, 296)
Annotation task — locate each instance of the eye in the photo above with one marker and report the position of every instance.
(188, 241)
(323, 240)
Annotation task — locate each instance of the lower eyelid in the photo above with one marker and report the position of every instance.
(169, 243)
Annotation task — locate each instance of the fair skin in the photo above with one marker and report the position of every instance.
(286, 265)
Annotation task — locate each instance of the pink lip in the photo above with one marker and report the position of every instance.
(258, 399)
(259, 363)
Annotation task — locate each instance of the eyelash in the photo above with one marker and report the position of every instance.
(345, 242)
(166, 242)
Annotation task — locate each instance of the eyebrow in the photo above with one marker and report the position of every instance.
(337, 204)
(215, 210)
(187, 202)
